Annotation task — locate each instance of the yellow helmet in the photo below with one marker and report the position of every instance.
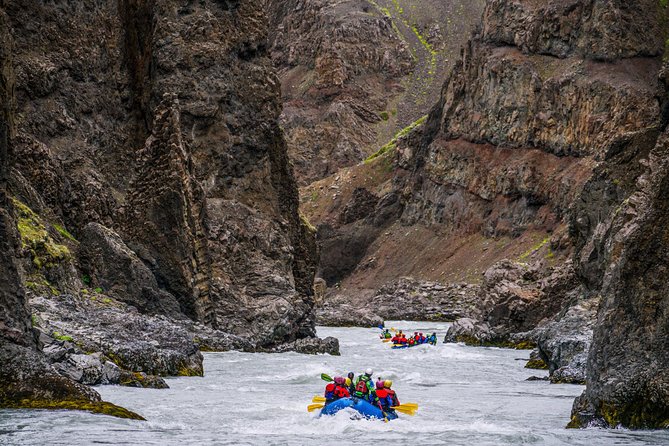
(348, 382)
(387, 383)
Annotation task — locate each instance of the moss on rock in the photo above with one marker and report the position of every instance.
(536, 364)
(44, 251)
(101, 407)
(475, 342)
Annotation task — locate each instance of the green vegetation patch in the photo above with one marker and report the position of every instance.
(307, 224)
(64, 232)
(44, 251)
(475, 342)
(393, 142)
(61, 337)
(534, 249)
(536, 364)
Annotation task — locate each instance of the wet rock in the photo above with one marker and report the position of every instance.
(537, 378)
(335, 314)
(310, 346)
(111, 373)
(564, 342)
(135, 342)
(141, 379)
(469, 331)
(536, 361)
(115, 268)
(85, 369)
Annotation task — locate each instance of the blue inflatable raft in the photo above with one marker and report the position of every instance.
(363, 407)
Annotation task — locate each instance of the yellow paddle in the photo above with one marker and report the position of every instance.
(318, 399)
(406, 410)
(312, 407)
(409, 405)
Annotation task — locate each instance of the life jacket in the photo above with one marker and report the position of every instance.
(395, 340)
(392, 397)
(329, 391)
(382, 398)
(361, 388)
(341, 392)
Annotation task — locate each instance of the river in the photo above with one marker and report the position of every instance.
(467, 396)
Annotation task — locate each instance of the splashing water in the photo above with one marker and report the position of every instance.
(467, 396)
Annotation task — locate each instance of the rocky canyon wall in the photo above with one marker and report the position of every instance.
(355, 72)
(156, 208)
(551, 123)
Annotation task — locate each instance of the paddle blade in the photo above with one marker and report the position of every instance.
(411, 405)
(318, 399)
(405, 410)
(312, 407)
(326, 377)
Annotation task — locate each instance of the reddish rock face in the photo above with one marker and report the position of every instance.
(355, 72)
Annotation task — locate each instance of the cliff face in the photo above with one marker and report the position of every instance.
(26, 377)
(507, 149)
(547, 143)
(150, 178)
(159, 121)
(577, 85)
(355, 72)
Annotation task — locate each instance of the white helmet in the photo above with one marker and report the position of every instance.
(369, 372)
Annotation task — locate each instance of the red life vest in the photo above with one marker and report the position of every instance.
(382, 393)
(341, 392)
(362, 387)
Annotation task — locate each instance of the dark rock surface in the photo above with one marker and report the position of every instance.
(513, 299)
(156, 207)
(626, 374)
(26, 377)
(406, 298)
(310, 346)
(112, 266)
(354, 72)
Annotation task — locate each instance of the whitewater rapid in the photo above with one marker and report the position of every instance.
(467, 396)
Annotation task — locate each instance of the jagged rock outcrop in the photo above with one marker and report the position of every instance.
(626, 372)
(564, 342)
(109, 264)
(513, 300)
(193, 177)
